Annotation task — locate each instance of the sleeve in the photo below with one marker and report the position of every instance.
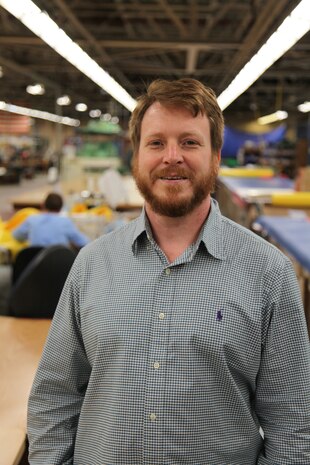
(21, 233)
(75, 236)
(283, 385)
(60, 383)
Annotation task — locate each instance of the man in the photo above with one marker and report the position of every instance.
(49, 228)
(181, 334)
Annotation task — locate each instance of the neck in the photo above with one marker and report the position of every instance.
(174, 235)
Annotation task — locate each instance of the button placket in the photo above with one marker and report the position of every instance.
(162, 302)
(153, 416)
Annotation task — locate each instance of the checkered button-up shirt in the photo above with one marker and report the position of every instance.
(157, 363)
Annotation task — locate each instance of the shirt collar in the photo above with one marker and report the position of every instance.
(140, 229)
(211, 234)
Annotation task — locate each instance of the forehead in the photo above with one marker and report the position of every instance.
(163, 118)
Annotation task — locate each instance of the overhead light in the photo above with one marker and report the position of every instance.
(81, 107)
(39, 114)
(95, 113)
(106, 117)
(295, 26)
(43, 26)
(273, 117)
(63, 100)
(36, 89)
(304, 107)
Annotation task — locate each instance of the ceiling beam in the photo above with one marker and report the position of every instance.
(174, 18)
(110, 43)
(178, 45)
(263, 25)
(24, 70)
(193, 16)
(191, 60)
(91, 40)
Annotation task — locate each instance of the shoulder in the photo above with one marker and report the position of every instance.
(238, 240)
(33, 219)
(114, 243)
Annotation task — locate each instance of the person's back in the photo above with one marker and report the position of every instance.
(50, 228)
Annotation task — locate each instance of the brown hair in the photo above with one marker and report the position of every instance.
(53, 202)
(188, 93)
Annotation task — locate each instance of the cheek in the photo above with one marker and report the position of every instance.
(147, 163)
(197, 164)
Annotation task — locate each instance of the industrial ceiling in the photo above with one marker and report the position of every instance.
(139, 40)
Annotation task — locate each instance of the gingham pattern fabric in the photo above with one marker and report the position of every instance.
(151, 363)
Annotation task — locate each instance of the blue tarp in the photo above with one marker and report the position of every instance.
(235, 139)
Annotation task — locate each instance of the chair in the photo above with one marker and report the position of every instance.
(36, 293)
(23, 258)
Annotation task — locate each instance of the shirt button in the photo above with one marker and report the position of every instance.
(153, 416)
(167, 271)
(161, 316)
(156, 365)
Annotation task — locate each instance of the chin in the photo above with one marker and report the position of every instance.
(173, 208)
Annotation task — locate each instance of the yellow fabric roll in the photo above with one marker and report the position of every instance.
(101, 210)
(19, 217)
(8, 242)
(246, 172)
(293, 199)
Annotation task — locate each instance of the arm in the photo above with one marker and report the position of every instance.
(75, 236)
(283, 383)
(21, 233)
(60, 384)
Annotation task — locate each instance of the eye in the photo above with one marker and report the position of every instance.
(155, 143)
(190, 143)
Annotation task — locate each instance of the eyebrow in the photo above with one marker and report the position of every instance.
(183, 134)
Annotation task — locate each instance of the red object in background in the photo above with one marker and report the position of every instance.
(11, 123)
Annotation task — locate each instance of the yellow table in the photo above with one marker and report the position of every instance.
(12, 441)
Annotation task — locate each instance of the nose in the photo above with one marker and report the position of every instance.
(172, 154)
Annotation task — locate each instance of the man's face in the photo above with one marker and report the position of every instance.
(174, 168)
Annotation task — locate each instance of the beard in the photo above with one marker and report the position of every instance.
(171, 202)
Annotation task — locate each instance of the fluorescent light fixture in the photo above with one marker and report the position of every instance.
(95, 113)
(81, 107)
(295, 26)
(43, 26)
(39, 114)
(63, 100)
(277, 116)
(304, 107)
(36, 89)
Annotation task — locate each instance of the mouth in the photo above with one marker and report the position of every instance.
(173, 178)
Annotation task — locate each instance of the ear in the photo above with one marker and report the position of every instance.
(217, 157)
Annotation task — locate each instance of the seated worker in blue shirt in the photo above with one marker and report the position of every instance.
(181, 334)
(50, 228)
